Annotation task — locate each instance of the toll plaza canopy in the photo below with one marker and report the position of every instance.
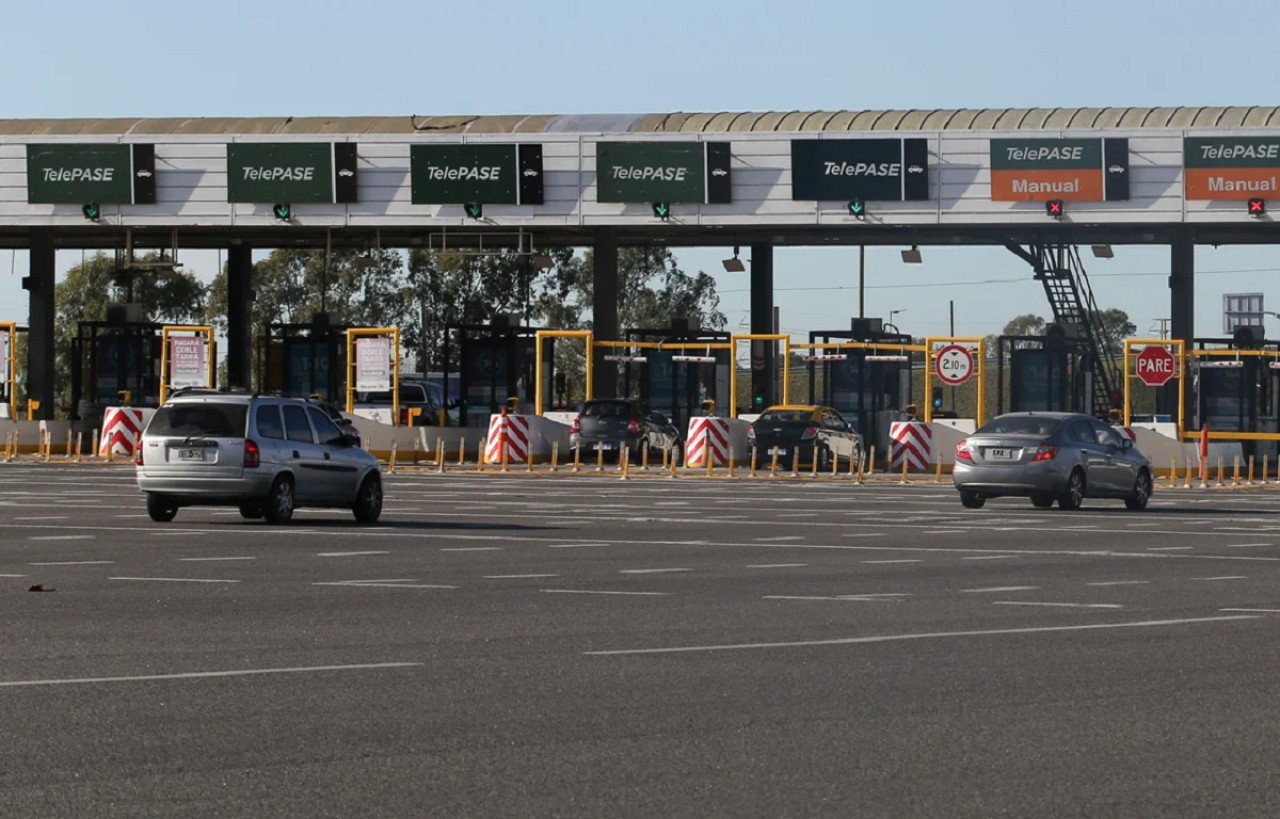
(799, 177)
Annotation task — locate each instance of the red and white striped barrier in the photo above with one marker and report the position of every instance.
(708, 437)
(912, 441)
(121, 429)
(511, 431)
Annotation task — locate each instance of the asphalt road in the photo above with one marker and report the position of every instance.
(584, 646)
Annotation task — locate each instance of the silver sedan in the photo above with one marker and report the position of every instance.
(1048, 457)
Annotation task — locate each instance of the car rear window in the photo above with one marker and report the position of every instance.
(607, 409)
(786, 416)
(209, 419)
(1021, 425)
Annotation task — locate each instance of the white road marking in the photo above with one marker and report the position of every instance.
(586, 591)
(201, 559)
(12, 575)
(875, 562)
(574, 545)
(935, 635)
(991, 557)
(775, 565)
(1058, 605)
(797, 514)
(473, 549)
(863, 598)
(174, 579)
(999, 589)
(197, 675)
(943, 531)
(1169, 548)
(349, 554)
(778, 539)
(1261, 611)
(1224, 577)
(1245, 545)
(1119, 583)
(75, 563)
(515, 576)
(651, 571)
(62, 537)
(385, 585)
(865, 534)
(50, 517)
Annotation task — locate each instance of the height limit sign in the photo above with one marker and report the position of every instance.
(953, 365)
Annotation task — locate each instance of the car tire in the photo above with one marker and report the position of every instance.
(971, 500)
(368, 505)
(1141, 492)
(251, 511)
(160, 508)
(279, 506)
(823, 454)
(1071, 497)
(1042, 501)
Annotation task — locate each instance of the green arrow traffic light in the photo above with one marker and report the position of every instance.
(474, 209)
(282, 211)
(857, 207)
(662, 210)
(91, 211)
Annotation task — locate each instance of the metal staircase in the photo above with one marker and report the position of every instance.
(1058, 267)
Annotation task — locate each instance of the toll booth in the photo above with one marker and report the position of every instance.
(1047, 373)
(109, 358)
(1238, 393)
(305, 359)
(869, 387)
(496, 361)
(687, 367)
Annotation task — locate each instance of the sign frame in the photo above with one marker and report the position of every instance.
(334, 178)
(709, 172)
(524, 163)
(1053, 165)
(134, 162)
(879, 169)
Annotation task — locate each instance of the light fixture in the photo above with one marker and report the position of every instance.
(1103, 252)
(912, 256)
(735, 264)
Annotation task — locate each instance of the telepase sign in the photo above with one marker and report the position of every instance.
(1079, 170)
(672, 172)
(292, 172)
(80, 173)
(830, 170)
(484, 173)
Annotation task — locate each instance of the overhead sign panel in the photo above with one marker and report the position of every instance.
(830, 170)
(293, 172)
(1231, 168)
(674, 172)
(487, 174)
(79, 173)
(1077, 170)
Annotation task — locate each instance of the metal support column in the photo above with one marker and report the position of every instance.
(41, 354)
(604, 310)
(239, 317)
(1182, 306)
(762, 359)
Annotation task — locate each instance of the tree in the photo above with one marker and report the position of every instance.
(165, 295)
(1027, 324)
(1116, 327)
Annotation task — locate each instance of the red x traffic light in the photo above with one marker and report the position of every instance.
(1257, 206)
(1054, 208)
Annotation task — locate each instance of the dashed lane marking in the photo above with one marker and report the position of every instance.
(878, 562)
(197, 675)
(516, 576)
(991, 557)
(994, 589)
(472, 549)
(1057, 605)
(1119, 583)
(1260, 611)
(589, 591)
(174, 579)
(75, 563)
(385, 584)
(61, 537)
(782, 539)
(652, 571)
(212, 559)
(1224, 577)
(350, 554)
(46, 517)
(775, 565)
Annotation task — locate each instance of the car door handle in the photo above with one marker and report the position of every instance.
(326, 456)
(297, 454)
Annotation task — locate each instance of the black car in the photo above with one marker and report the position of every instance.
(608, 425)
(805, 433)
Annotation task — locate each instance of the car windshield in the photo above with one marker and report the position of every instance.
(607, 409)
(213, 420)
(788, 416)
(1021, 425)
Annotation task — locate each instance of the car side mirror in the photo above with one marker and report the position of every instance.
(1125, 443)
(351, 439)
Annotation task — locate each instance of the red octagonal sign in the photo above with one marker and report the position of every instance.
(1155, 366)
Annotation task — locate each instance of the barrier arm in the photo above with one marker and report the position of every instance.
(585, 335)
(734, 340)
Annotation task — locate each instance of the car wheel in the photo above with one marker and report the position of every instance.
(279, 506)
(1042, 501)
(971, 500)
(368, 505)
(160, 509)
(824, 459)
(1072, 496)
(1141, 493)
(251, 511)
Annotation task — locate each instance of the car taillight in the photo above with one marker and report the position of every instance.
(1045, 452)
(751, 431)
(575, 427)
(810, 432)
(633, 427)
(252, 455)
(137, 456)
(962, 451)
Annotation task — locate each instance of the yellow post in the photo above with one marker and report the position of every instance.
(795, 463)
(937, 476)
(440, 455)
(80, 445)
(666, 454)
(1235, 470)
(753, 461)
(577, 457)
(555, 455)
(1265, 467)
(835, 466)
(48, 446)
(1219, 470)
(904, 467)
(773, 464)
(813, 464)
(1250, 481)
(672, 473)
(1190, 473)
(1173, 473)
(599, 460)
(862, 465)
(483, 454)
(871, 462)
(855, 463)
(644, 456)
(391, 462)
(506, 453)
(95, 442)
(528, 459)
(462, 451)
(624, 463)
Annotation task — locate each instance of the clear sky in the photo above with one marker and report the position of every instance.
(385, 57)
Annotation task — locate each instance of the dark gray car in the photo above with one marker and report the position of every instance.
(1048, 457)
(609, 425)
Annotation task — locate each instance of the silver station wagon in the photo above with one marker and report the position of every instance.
(268, 456)
(1048, 457)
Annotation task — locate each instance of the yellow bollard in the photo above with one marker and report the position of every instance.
(674, 462)
(1250, 480)
(666, 454)
(731, 453)
(644, 457)
(440, 455)
(708, 457)
(773, 464)
(462, 451)
(1190, 473)
(835, 466)
(528, 457)
(577, 457)
(1235, 470)
(68, 444)
(871, 462)
(624, 462)
(482, 455)
(1173, 473)
(795, 463)
(555, 455)
(506, 453)
(937, 476)
(1219, 470)
(862, 465)
(80, 445)
(94, 454)
(754, 454)
(599, 460)
(813, 464)
(904, 468)
(391, 462)
(854, 463)
(1265, 467)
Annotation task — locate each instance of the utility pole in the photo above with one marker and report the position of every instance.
(862, 282)
(1164, 327)
(951, 308)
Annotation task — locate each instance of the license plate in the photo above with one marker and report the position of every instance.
(778, 450)
(190, 454)
(605, 447)
(1000, 454)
